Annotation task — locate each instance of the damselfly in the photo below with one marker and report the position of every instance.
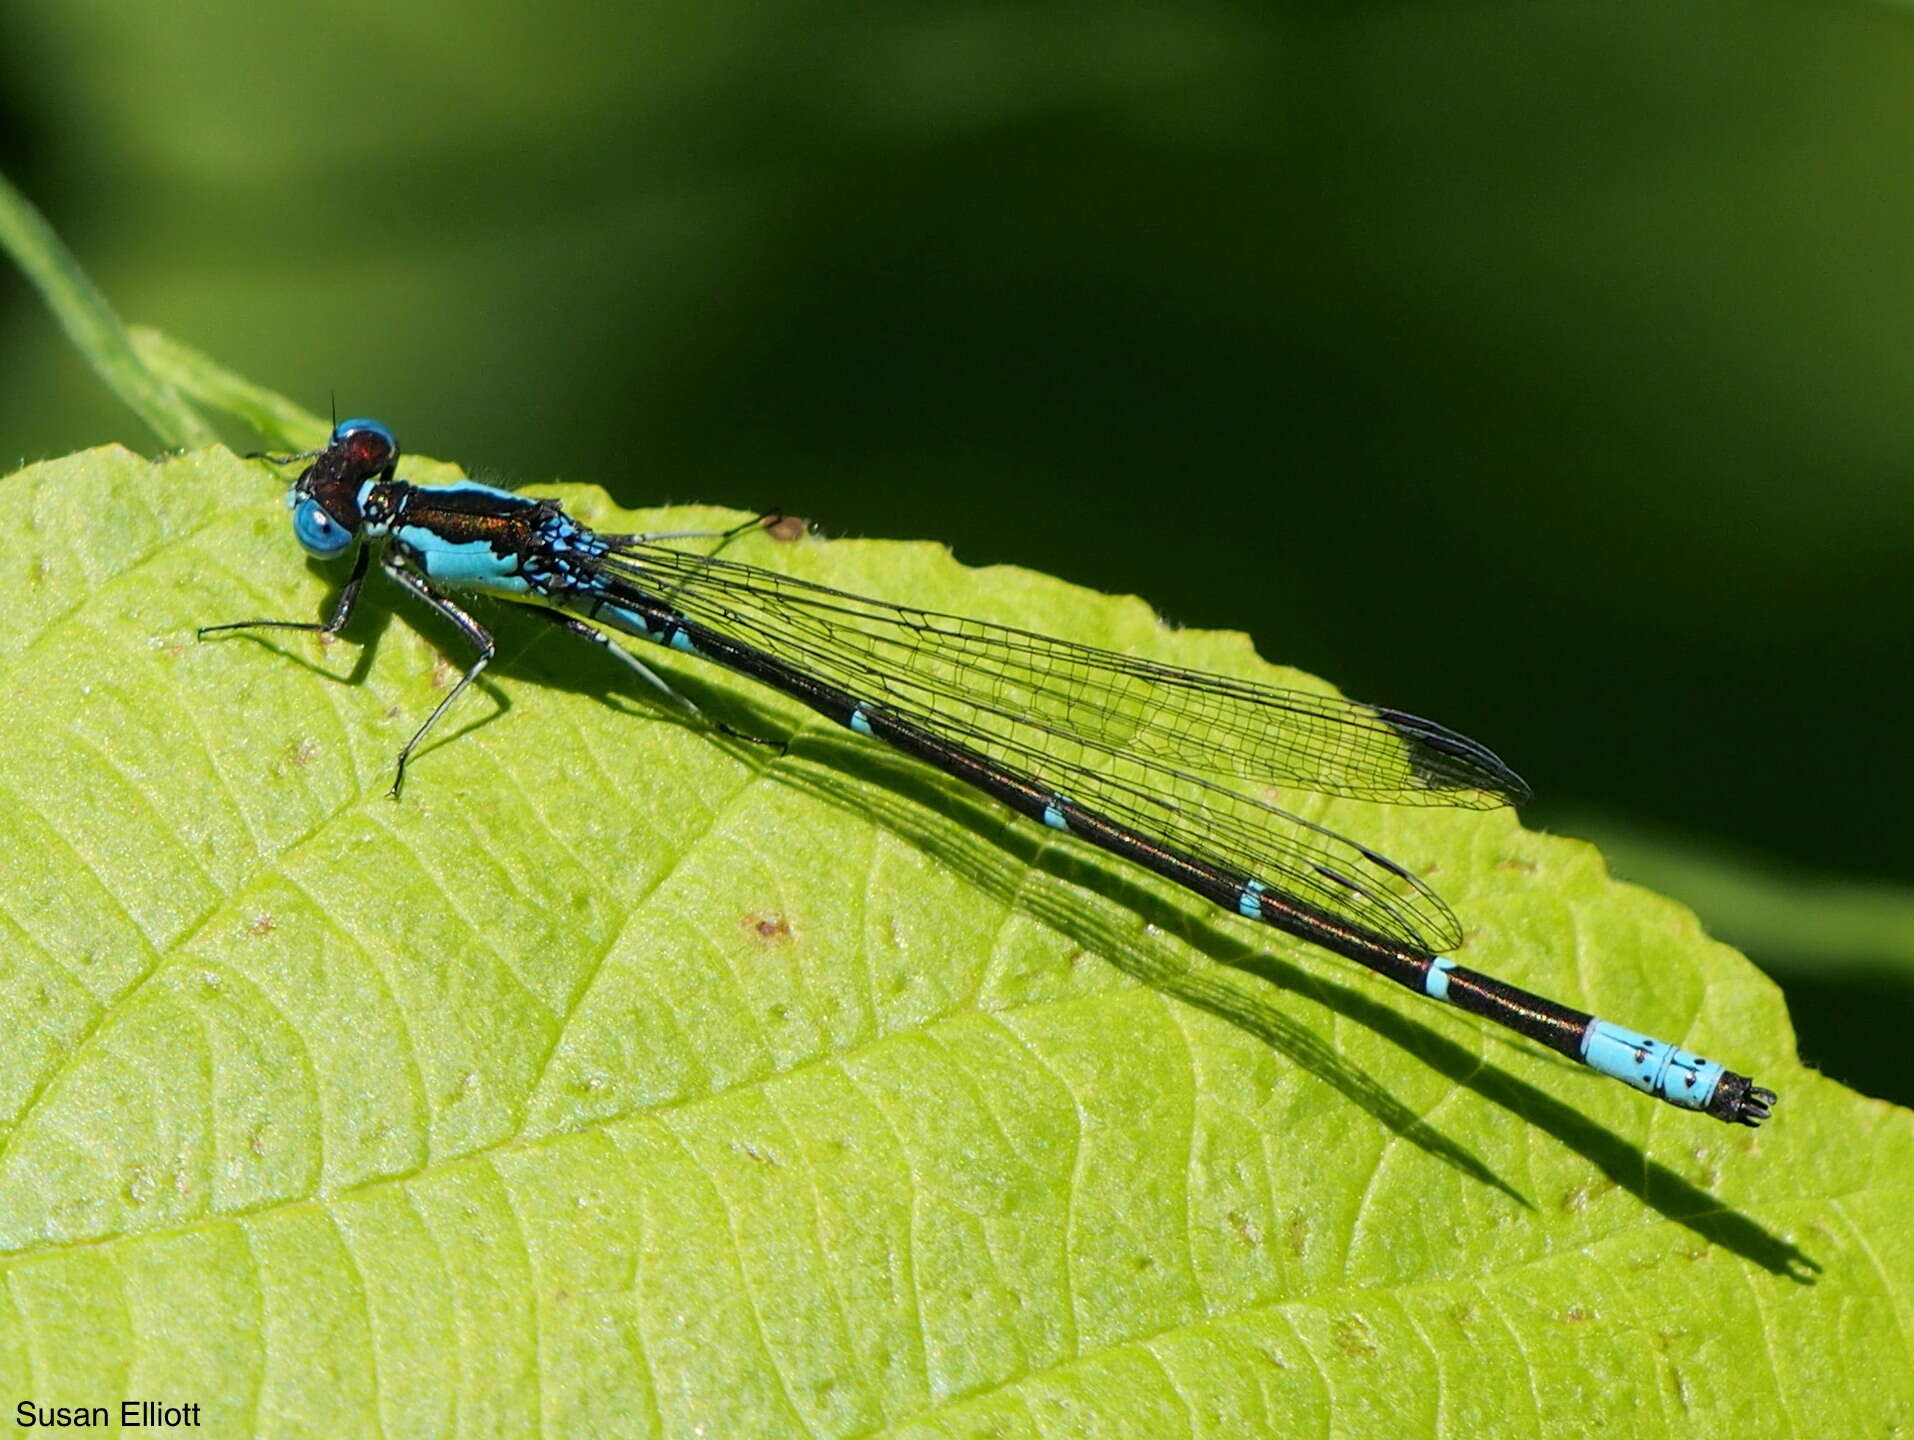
(1156, 764)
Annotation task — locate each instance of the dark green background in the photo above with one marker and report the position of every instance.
(1545, 369)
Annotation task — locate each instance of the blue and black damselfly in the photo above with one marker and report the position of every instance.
(1152, 763)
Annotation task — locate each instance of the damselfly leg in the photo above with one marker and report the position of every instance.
(341, 610)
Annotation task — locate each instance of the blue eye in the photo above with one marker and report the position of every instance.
(318, 532)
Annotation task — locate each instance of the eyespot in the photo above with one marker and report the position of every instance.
(317, 532)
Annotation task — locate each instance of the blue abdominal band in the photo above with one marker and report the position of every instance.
(1650, 1065)
(1249, 904)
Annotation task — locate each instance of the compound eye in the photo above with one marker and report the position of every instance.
(370, 434)
(317, 532)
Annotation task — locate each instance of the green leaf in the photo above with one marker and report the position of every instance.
(89, 322)
(629, 1080)
(1825, 923)
(195, 373)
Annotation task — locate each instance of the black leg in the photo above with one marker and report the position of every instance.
(472, 630)
(341, 610)
(764, 520)
(646, 673)
(723, 537)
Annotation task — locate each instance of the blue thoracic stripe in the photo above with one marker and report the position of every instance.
(506, 498)
(1250, 903)
(1651, 1065)
(1053, 814)
(476, 564)
(1436, 982)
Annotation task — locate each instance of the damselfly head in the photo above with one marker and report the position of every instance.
(327, 496)
(365, 443)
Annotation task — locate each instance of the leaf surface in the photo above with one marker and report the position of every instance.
(630, 1080)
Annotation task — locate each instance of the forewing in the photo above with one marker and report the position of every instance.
(1187, 758)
